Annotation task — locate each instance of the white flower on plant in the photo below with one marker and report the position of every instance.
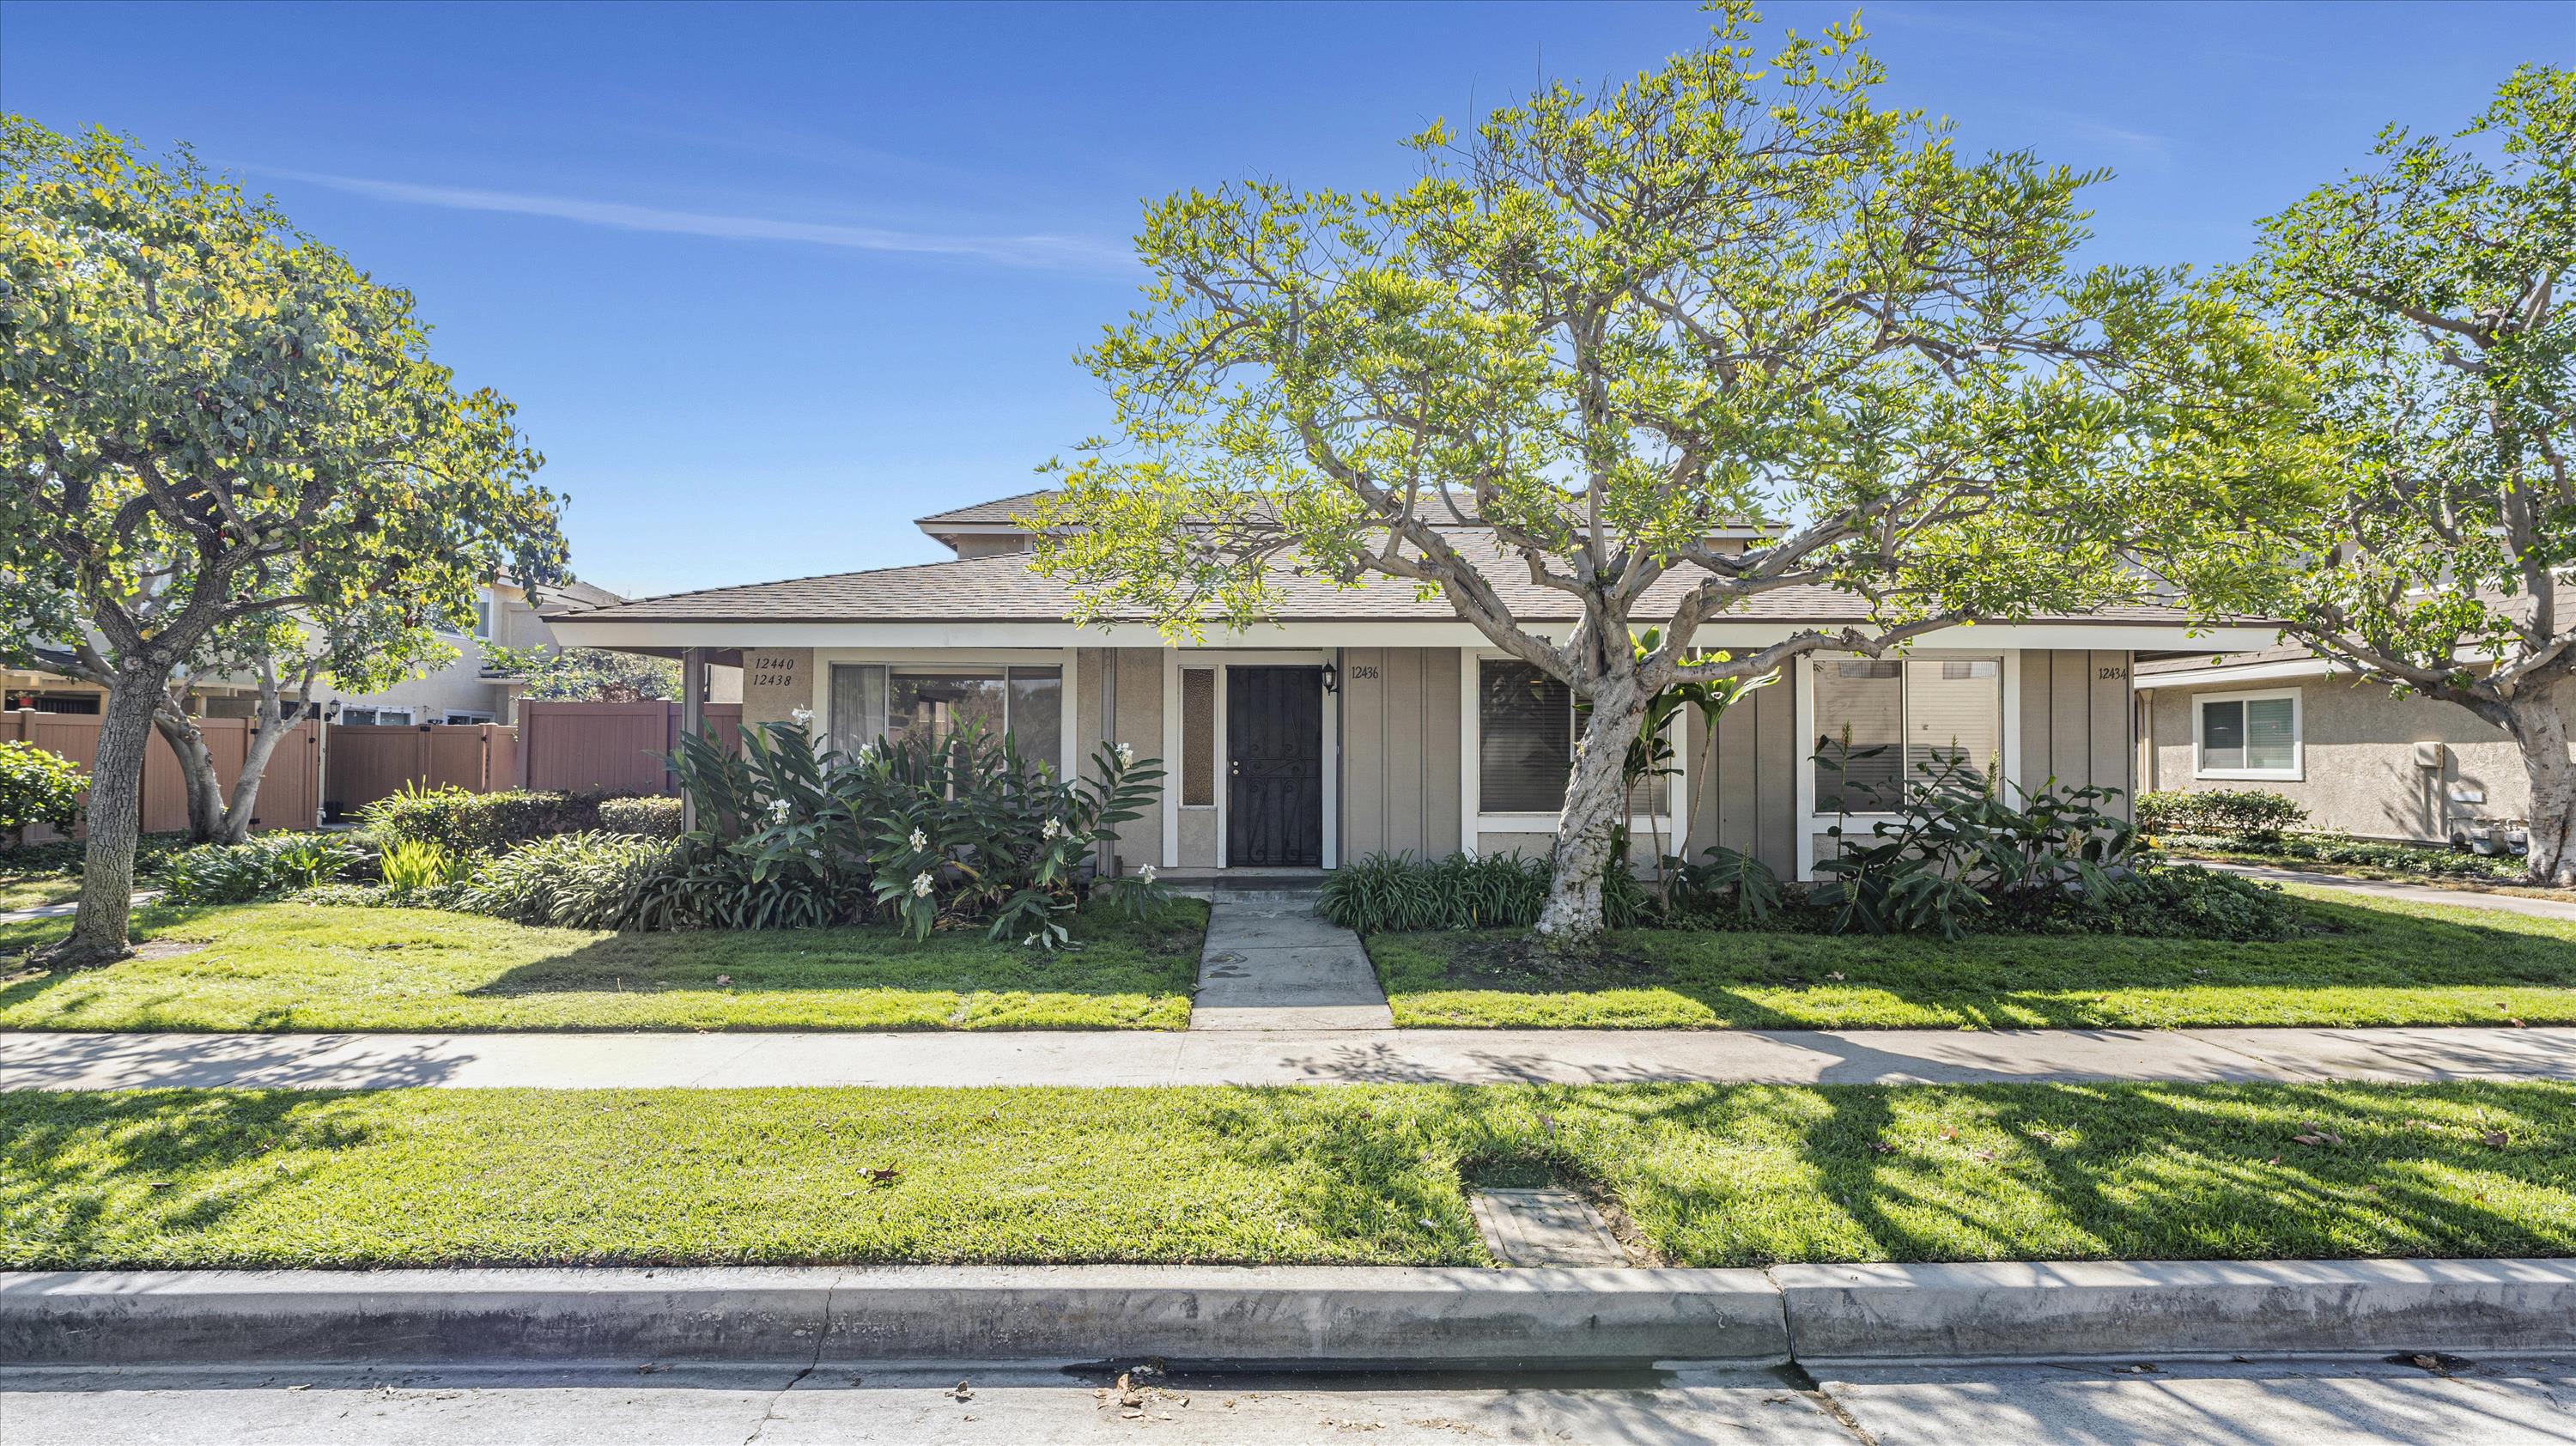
(778, 810)
(921, 884)
(814, 854)
(1126, 754)
(919, 841)
(1052, 828)
(1146, 873)
(803, 716)
(1029, 942)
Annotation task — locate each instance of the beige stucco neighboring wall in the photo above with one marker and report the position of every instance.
(1399, 732)
(2075, 721)
(775, 683)
(2358, 772)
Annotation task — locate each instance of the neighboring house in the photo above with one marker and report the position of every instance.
(2359, 757)
(468, 690)
(1368, 720)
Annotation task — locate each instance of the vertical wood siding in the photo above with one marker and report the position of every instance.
(1399, 773)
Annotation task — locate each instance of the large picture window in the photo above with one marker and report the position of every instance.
(2247, 735)
(1884, 723)
(872, 700)
(1526, 727)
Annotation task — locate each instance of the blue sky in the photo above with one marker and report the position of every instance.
(768, 282)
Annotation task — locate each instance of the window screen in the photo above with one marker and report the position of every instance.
(1860, 722)
(1954, 714)
(1198, 737)
(1037, 715)
(1525, 739)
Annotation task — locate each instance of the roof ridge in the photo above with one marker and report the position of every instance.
(951, 513)
(815, 577)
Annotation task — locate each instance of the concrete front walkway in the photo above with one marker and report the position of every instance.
(2511, 903)
(1270, 963)
(1273, 1057)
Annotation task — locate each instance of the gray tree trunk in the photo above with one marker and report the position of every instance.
(1595, 803)
(114, 814)
(2539, 729)
(245, 800)
(197, 774)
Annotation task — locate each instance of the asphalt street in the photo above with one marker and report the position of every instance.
(2251, 1403)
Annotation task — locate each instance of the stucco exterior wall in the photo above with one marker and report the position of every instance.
(776, 682)
(2357, 758)
(1399, 766)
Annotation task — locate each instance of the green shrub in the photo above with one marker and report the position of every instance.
(649, 816)
(37, 786)
(1396, 891)
(2252, 814)
(268, 866)
(2430, 860)
(914, 830)
(464, 822)
(573, 881)
(1726, 882)
(1957, 857)
(382, 896)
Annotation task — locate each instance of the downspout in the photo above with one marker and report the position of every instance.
(1108, 861)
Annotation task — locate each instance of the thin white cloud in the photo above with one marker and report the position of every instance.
(1060, 252)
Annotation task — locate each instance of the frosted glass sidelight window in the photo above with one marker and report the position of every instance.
(858, 706)
(2250, 735)
(1037, 715)
(1198, 737)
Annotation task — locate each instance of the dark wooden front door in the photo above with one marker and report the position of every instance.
(1274, 734)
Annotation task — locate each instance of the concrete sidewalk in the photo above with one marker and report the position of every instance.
(66, 1061)
(2504, 901)
(1270, 964)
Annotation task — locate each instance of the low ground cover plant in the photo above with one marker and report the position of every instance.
(571, 881)
(1956, 860)
(2377, 855)
(267, 866)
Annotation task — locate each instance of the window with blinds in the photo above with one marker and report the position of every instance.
(1198, 737)
(2255, 736)
(1883, 725)
(1525, 738)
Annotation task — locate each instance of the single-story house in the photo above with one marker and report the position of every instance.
(2361, 758)
(1366, 720)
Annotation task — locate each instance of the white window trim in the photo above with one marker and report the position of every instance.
(2295, 773)
(1802, 677)
(1174, 660)
(920, 660)
(1473, 820)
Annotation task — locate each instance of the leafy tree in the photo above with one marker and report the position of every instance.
(1542, 378)
(587, 675)
(210, 420)
(2429, 299)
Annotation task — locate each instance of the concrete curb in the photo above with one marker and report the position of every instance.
(1285, 1314)
(2175, 1308)
(1294, 1315)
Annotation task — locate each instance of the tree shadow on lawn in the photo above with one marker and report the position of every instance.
(2117, 1171)
(847, 957)
(82, 1176)
(1997, 981)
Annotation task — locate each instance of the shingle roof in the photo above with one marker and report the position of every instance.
(1000, 509)
(1002, 589)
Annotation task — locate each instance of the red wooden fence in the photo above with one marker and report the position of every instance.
(288, 792)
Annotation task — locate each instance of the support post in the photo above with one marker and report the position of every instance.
(693, 716)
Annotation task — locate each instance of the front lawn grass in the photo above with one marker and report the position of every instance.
(2376, 961)
(283, 966)
(1709, 1175)
(35, 891)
